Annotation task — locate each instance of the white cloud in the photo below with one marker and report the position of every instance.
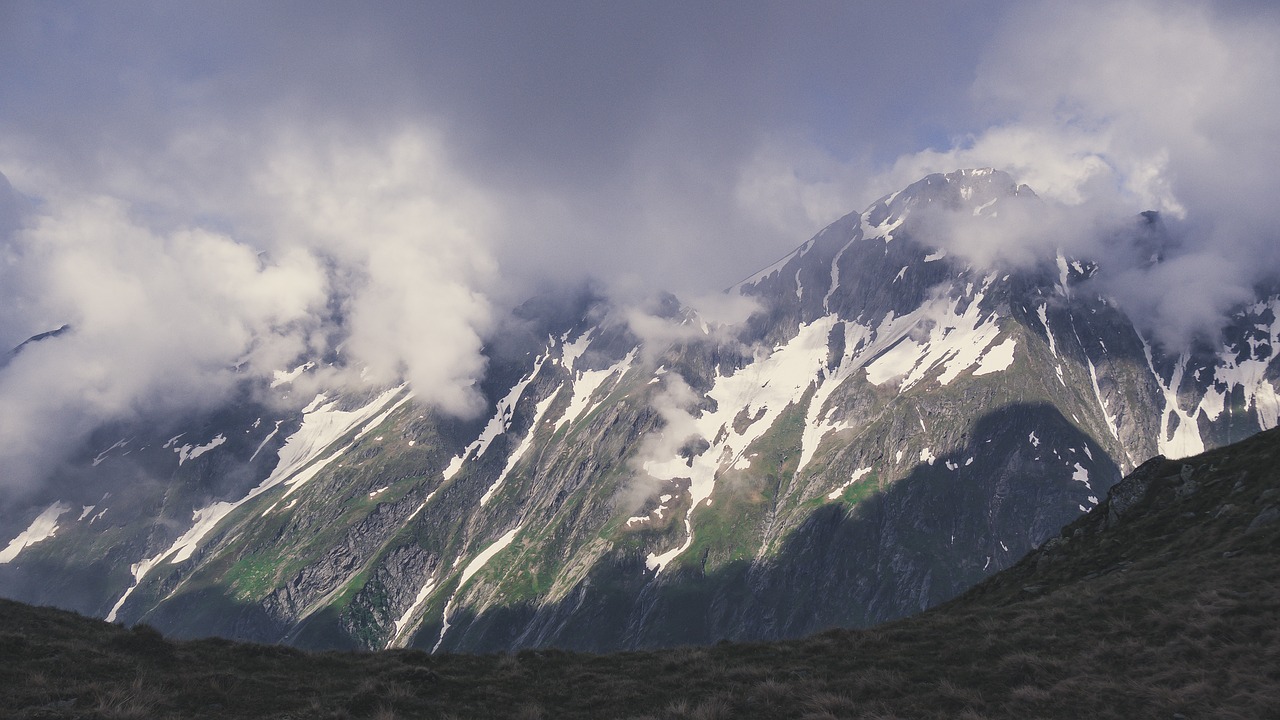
(410, 238)
(676, 404)
(379, 245)
(1109, 109)
(159, 322)
(793, 188)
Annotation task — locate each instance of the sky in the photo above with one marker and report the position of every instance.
(205, 190)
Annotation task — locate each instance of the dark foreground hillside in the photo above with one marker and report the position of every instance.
(1164, 602)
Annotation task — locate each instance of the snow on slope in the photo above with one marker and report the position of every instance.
(539, 412)
(957, 340)
(816, 425)
(1185, 439)
(498, 424)
(322, 425)
(423, 593)
(473, 567)
(42, 528)
(402, 623)
(265, 440)
(283, 377)
(835, 273)
(191, 452)
(1249, 374)
(586, 382)
(103, 455)
(1238, 368)
(770, 384)
(857, 475)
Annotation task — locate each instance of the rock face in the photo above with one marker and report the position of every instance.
(889, 428)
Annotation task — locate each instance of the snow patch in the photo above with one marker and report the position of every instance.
(1097, 392)
(997, 359)
(322, 425)
(1185, 439)
(539, 411)
(571, 351)
(857, 475)
(956, 341)
(1081, 475)
(498, 424)
(191, 452)
(817, 426)
(585, 384)
(835, 275)
(472, 568)
(103, 455)
(40, 529)
(1043, 313)
(886, 227)
(266, 440)
(1250, 374)
(767, 387)
(281, 376)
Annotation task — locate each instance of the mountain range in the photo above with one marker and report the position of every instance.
(891, 425)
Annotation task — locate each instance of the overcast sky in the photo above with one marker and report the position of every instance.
(193, 184)
(680, 142)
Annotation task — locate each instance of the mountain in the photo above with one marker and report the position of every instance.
(891, 426)
(1162, 602)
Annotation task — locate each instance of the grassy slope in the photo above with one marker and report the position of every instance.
(1174, 609)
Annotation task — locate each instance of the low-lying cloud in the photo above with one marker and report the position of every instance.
(375, 250)
(1117, 108)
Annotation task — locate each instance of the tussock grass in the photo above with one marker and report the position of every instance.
(1172, 610)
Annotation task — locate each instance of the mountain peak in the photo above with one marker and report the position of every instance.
(976, 188)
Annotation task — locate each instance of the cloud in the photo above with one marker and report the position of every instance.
(371, 247)
(675, 403)
(407, 236)
(159, 322)
(1109, 109)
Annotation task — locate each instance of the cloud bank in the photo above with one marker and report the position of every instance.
(370, 249)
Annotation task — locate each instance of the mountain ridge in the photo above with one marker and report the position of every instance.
(870, 446)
